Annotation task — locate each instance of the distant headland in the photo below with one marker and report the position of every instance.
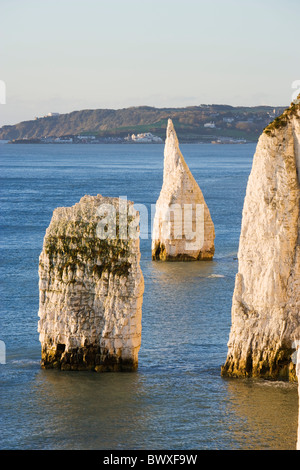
(144, 124)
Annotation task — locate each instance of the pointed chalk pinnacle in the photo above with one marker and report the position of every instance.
(182, 229)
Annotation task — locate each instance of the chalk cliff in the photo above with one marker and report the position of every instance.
(91, 289)
(266, 299)
(182, 227)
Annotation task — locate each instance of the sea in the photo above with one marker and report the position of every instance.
(177, 399)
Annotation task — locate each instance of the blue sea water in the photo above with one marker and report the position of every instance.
(177, 398)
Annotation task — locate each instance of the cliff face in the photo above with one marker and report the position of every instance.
(91, 291)
(266, 299)
(182, 228)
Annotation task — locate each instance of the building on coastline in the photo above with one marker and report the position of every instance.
(146, 137)
(209, 125)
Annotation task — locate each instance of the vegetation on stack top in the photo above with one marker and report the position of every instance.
(84, 250)
(282, 120)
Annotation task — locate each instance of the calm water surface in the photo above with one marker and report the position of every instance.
(177, 398)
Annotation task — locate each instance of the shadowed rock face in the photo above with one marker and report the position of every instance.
(266, 299)
(91, 291)
(183, 229)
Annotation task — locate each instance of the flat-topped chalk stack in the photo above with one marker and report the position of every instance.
(91, 291)
(266, 300)
(182, 229)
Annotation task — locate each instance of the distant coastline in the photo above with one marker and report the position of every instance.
(116, 141)
(217, 124)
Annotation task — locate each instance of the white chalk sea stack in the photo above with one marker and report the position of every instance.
(91, 290)
(266, 299)
(182, 228)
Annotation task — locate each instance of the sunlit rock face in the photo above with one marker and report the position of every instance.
(266, 299)
(182, 227)
(91, 289)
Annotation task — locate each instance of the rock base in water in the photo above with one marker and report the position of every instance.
(159, 253)
(85, 358)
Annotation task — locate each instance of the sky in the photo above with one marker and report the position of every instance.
(67, 55)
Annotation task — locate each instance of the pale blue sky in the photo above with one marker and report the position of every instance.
(65, 55)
